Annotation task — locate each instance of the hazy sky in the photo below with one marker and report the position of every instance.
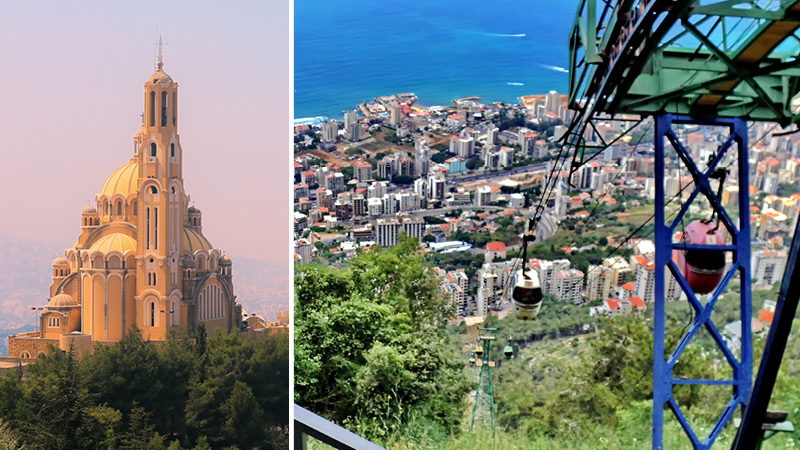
(71, 94)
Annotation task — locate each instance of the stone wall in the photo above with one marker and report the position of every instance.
(26, 342)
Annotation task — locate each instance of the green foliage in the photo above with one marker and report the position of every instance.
(470, 262)
(474, 163)
(433, 220)
(201, 391)
(370, 344)
(402, 179)
(442, 156)
(787, 189)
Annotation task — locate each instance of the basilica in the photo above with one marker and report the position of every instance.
(141, 257)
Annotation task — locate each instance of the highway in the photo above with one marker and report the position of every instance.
(499, 174)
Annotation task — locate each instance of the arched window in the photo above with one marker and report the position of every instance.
(135, 208)
(152, 108)
(174, 107)
(152, 314)
(172, 150)
(163, 108)
(155, 228)
(153, 149)
(173, 189)
(25, 355)
(152, 189)
(147, 226)
(119, 208)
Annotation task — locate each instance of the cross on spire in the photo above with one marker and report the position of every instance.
(160, 54)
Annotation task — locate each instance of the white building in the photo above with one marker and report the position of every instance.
(304, 249)
(768, 266)
(568, 285)
(483, 196)
(330, 131)
(516, 201)
(388, 230)
(374, 207)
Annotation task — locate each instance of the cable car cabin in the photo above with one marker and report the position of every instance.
(479, 351)
(703, 269)
(508, 351)
(472, 361)
(527, 295)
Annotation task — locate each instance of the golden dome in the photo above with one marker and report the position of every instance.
(62, 301)
(124, 180)
(160, 76)
(194, 241)
(89, 211)
(115, 242)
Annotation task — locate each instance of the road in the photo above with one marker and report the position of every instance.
(499, 174)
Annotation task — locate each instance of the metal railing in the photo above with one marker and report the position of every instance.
(306, 423)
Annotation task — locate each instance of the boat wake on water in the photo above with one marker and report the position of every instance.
(507, 35)
(555, 68)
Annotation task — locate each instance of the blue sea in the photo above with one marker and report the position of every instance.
(350, 51)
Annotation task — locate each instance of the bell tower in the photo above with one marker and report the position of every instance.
(162, 204)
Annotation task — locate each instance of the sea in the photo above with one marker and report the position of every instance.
(347, 52)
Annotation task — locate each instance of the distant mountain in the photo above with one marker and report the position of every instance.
(261, 288)
(4, 334)
(24, 279)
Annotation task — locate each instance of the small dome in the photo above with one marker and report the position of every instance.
(89, 211)
(193, 241)
(124, 180)
(188, 262)
(62, 301)
(60, 262)
(225, 261)
(194, 209)
(160, 76)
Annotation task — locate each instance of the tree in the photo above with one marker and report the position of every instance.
(56, 393)
(370, 343)
(474, 163)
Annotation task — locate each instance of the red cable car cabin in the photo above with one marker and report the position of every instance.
(702, 269)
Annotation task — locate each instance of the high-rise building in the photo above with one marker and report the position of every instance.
(421, 158)
(350, 118)
(568, 285)
(552, 102)
(388, 230)
(141, 256)
(330, 131)
(491, 135)
(395, 115)
(362, 171)
(768, 265)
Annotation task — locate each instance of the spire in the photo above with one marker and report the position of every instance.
(160, 63)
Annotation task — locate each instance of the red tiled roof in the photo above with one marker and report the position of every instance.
(637, 302)
(496, 247)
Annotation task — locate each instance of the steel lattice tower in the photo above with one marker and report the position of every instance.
(483, 406)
